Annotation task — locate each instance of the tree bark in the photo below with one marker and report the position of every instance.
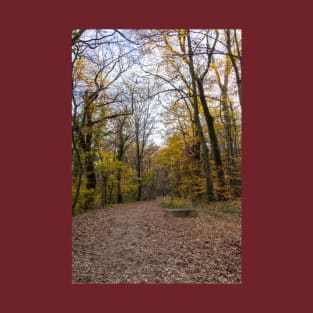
(120, 154)
(214, 142)
(138, 169)
(104, 199)
(205, 150)
(79, 180)
(86, 138)
(233, 61)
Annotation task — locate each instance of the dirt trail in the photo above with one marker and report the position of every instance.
(135, 243)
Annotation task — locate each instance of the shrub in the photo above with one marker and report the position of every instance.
(176, 203)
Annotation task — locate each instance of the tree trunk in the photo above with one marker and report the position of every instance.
(205, 150)
(139, 181)
(103, 190)
(120, 155)
(227, 123)
(79, 181)
(119, 189)
(111, 191)
(214, 142)
(138, 162)
(233, 61)
(86, 143)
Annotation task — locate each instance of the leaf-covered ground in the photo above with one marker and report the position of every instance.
(136, 243)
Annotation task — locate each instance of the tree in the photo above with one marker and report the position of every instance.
(123, 80)
(183, 49)
(143, 124)
(205, 150)
(95, 71)
(123, 138)
(235, 58)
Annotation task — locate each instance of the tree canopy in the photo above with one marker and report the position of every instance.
(154, 112)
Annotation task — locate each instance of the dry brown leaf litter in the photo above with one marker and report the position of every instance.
(136, 243)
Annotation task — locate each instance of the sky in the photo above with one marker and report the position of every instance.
(136, 73)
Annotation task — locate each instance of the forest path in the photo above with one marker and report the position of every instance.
(135, 243)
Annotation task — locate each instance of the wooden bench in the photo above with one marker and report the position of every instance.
(182, 212)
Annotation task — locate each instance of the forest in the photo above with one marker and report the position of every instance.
(155, 113)
(156, 156)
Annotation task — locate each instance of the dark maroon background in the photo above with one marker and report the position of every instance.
(36, 157)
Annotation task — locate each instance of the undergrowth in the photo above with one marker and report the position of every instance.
(176, 203)
(220, 209)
